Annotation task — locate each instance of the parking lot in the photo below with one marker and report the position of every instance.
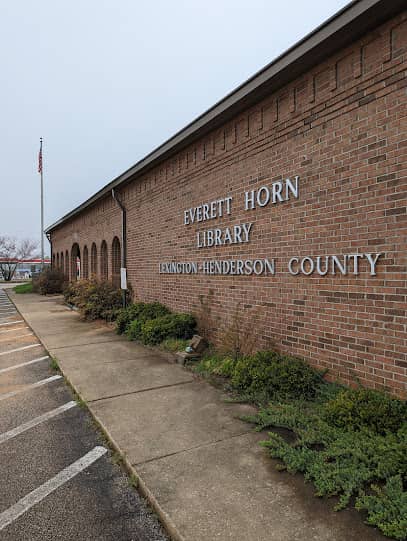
(59, 480)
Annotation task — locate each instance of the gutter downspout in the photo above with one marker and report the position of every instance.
(123, 239)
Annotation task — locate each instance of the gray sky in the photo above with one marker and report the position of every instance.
(106, 81)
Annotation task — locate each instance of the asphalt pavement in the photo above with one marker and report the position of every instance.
(59, 480)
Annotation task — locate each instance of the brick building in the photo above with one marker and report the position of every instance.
(284, 203)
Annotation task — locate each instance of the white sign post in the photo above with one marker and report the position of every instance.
(123, 278)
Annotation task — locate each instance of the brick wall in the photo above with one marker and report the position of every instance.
(342, 129)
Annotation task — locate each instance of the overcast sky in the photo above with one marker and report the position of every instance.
(104, 82)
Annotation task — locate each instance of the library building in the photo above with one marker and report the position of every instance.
(284, 203)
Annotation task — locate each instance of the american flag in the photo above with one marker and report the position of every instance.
(40, 158)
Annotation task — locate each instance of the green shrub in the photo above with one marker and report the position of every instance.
(139, 310)
(218, 365)
(133, 331)
(268, 374)
(338, 462)
(387, 508)
(125, 316)
(24, 288)
(49, 281)
(155, 331)
(359, 408)
(341, 462)
(74, 292)
(95, 299)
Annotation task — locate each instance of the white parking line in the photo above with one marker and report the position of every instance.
(14, 330)
(23, 364)
(7, 338)
(37, 495)
(34, 422)
(13, 322)
(28, 387)
(19, 349)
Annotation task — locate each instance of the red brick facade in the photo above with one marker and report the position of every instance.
(340, 127)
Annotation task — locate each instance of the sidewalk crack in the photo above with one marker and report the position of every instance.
(140, 391)
(87, 343)
(207, 444)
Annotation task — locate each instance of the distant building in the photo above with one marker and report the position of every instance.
(27, 267)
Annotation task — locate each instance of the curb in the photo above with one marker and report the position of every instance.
(142, 488)
(165, 519)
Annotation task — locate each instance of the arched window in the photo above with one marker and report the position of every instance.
(75, 262)
(55, 263)
(104, 270)
(67, 265)
(93, 260)
(116, 262)
(61, 262)
(85, 263)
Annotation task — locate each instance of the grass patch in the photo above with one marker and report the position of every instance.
(174, 344)
(80, 401)
(350, 443)
(54, 364)
(24, 288)
(133, 480)
(117, 459)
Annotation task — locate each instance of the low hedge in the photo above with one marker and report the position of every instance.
(354, 462)
(139, 311)
(365, 408)
(95, 299)
(152, 323)
(49, 281)
(155, 331)
(350, 443)
(266, 375)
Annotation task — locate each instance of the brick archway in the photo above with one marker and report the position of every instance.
(116, 262)
(66, 265)
(93, 260)
(104, 264)
(85, 263)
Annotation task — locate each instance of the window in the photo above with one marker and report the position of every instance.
(116, 262)
(85, 263)
(104, 270)
(75, 262)
(93, 260)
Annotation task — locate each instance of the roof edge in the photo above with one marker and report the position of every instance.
(345, 26)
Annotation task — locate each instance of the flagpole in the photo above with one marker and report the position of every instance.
(42, 208)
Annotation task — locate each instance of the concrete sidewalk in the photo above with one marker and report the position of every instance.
(199, 465)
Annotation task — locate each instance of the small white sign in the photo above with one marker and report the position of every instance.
(123, 278)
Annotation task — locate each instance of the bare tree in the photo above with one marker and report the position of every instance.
(12, 252)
